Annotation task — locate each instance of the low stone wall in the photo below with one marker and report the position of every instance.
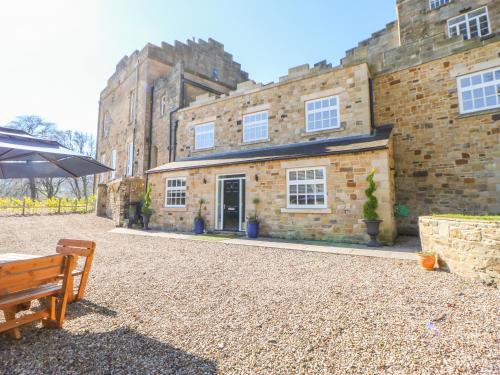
(470, 248)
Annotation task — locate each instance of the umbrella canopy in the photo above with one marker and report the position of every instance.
(25, 156)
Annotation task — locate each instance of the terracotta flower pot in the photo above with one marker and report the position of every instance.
(427, 261)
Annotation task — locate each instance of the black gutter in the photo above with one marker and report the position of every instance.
(171, 141)
(372, 109)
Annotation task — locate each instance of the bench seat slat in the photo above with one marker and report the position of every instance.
(29, 295)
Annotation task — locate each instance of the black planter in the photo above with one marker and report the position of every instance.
(372, 228)
(145, 220)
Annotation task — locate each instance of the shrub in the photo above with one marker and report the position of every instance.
(371, 205)
(146, 202)
(253, 217)
(199, 216)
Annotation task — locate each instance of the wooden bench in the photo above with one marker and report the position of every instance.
(78, 248)
(26, 280)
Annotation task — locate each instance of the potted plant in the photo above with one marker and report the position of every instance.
(146, 210)
(427, 260)
(253, 221)
(370, 214)
(199, 222)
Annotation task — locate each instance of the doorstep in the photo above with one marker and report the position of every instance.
(389, 252)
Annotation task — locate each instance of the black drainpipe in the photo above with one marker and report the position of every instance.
(150, 146)
(173, 128)
(372, 109)
(173, 140)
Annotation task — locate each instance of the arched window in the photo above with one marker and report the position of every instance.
(106, 123)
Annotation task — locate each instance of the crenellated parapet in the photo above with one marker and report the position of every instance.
(205, 58)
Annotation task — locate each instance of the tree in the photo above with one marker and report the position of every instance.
(83, 143)
(36, 126)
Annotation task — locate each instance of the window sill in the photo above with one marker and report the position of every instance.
(254, 142)
(203, 149)
(306, 210)
(175, 209)
(310, 133)
(480, 113)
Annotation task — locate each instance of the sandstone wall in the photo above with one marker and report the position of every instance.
(285, 103)
(420, 35)
(341, 221)
(206, 62)
(444, 161)
(417, 21)
(113, 197)
(470, 248)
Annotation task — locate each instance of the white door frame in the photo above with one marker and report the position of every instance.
(219, 211)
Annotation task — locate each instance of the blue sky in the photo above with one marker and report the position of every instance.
(57, 54)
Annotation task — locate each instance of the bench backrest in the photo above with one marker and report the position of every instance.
(25, 274)
(77, 247)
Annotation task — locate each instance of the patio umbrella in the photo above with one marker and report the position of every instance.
(25, 156)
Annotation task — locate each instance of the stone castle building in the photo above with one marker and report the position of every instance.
(419, 101)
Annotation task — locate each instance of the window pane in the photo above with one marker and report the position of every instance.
(293, 176)
(467, 105)
(476, 79)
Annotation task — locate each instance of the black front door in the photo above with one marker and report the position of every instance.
(231, 207)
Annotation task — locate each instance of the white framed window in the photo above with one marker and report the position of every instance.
(322, 114)
(103, 161)
(204, 136)
(255, 126)
(163, 105)
(306, 188)
(479, 91)
(434, 4)
(470, 25)
(113, 164)
(175, 192)
(132, 105)
(130, 158)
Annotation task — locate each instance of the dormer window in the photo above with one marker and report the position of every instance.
(470, 25)
(434, 4)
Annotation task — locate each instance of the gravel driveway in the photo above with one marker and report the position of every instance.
(156, 305)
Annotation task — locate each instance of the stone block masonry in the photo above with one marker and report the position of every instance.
(340, 222)
(445, 162)
(469, 248)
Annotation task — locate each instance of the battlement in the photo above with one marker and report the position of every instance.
(250, 86)
(207, 58)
